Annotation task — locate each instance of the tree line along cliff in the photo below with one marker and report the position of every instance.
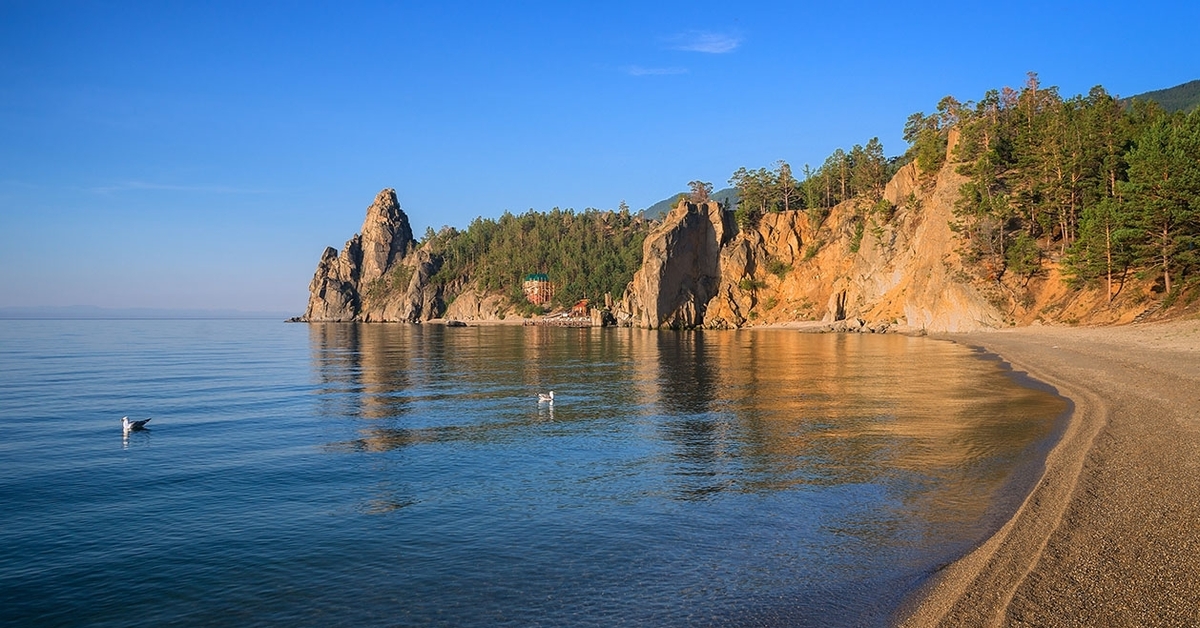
(1017, 208)
(384, 274)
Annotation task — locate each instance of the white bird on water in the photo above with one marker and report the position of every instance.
(544, 398)
(128, 426)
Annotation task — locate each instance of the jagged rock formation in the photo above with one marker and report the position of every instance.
(362, 283)
(383, 275)
(866, 266)
(333, 292)
(405, 293)
(899, 270)
(680, 270)
(386, 236)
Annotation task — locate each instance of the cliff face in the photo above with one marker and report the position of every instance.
(386, 236)
(887, 267)
(680, 270)
(333, 292)
(893, 263)
(380, 275)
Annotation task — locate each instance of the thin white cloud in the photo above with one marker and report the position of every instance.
(128, 186)
(704, 41)
(637, 70)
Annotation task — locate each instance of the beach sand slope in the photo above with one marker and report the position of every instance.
(1110, 535)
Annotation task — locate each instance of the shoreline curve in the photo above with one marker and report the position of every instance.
(1110, 532)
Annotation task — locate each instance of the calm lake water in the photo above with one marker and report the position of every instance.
(406, 475)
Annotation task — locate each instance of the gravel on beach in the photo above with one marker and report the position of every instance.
(1110, 535)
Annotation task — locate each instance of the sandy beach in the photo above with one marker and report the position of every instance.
(1110, 535)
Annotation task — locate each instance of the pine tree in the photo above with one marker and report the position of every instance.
(1164, 188)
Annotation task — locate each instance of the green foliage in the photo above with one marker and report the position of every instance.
(877, 231)
(750, 284)
(787, 191)
(700, 191)
(926, 136)
(860, 227)
(747, 217)
(883, 209)
(778, 267)
(812, 250)
(810, 192)
(527, 309)
(1107, 188)
(757, 191)
(869, 171)
(397, 278)
(1023, 257)
(864, 171)
(1164, 187)
(586, 254)
(1105, 245)
(930, 151)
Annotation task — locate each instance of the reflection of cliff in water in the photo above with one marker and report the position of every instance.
(921, 424)
(364, 369)
(754, 411)
(428, 384)
(694, 422)
(846, 410)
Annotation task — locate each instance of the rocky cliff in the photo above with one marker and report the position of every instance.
(892, 263)
(681, 269)
(383, 275)
(869, 264)
(379, 275)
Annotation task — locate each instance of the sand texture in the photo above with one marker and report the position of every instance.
(1110, 535)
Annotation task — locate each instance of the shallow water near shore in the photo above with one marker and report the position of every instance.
(407, 475)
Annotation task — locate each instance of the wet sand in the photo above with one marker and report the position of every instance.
(1110, 535)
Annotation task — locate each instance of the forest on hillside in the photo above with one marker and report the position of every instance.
(586, 254)
(1104, 187)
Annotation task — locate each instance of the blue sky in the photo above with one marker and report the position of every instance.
(202, 155)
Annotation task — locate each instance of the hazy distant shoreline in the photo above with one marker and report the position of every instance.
(91, 312)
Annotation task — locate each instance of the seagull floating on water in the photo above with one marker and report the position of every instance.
(544, 398)
(128, 426)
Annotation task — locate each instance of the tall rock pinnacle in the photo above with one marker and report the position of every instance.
(336, 291)
(386, 236)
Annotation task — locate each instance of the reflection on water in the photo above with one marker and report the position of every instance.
(140, 438)
(763, 477)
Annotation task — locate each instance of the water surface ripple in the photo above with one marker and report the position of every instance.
(406, 475)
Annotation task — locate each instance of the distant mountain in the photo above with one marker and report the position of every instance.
(1179, 98)
(727, 197)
